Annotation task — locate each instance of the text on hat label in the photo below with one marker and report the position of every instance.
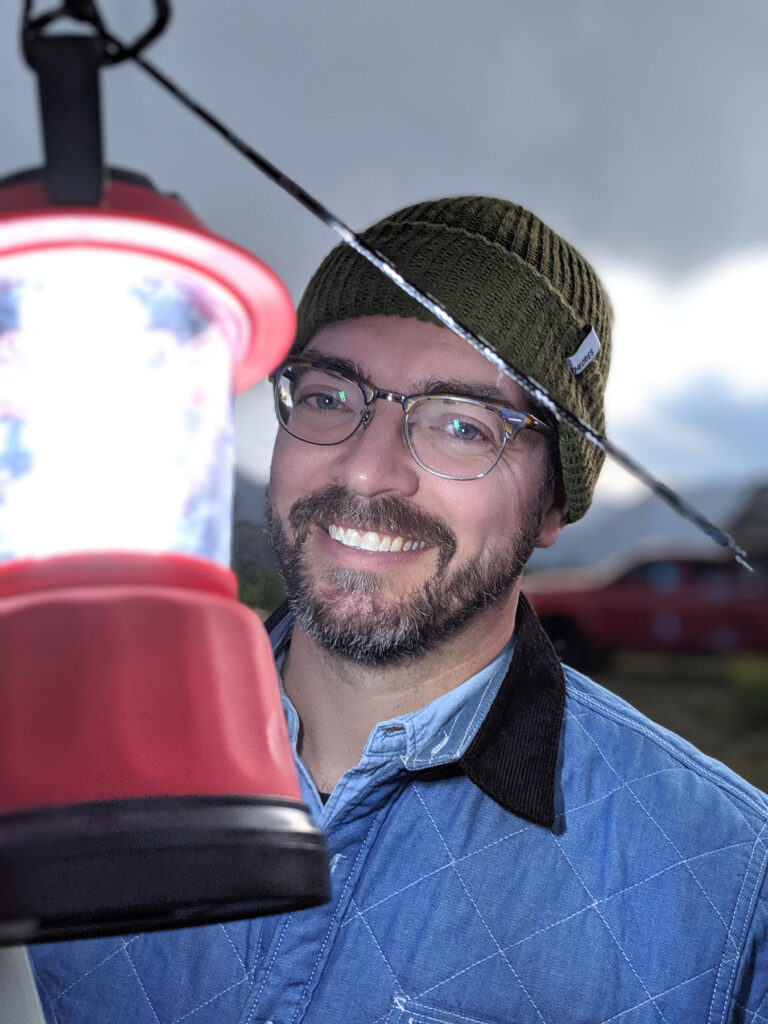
(585, 353)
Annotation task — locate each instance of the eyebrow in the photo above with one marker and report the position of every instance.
(482, 392)
(430, 386)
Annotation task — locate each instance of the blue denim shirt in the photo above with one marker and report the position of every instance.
(623, 880)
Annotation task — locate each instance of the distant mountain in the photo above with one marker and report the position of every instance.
(250, 499)
(613, 528)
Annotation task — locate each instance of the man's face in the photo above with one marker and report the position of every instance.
(431, 554)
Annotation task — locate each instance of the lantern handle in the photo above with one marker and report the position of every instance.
(87, 11)
(67, 68)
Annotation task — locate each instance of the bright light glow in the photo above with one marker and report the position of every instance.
(115, 405)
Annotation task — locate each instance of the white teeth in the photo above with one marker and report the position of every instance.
(372, 541)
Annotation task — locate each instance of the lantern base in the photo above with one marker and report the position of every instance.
(146, 864)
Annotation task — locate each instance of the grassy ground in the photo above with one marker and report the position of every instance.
(720, 704)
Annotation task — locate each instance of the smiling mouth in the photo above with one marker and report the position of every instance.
(369, 540)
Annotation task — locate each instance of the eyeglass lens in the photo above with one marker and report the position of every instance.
(453, 437)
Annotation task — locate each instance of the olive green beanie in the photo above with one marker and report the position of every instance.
(504, 274)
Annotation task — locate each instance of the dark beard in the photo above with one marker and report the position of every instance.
(376, 633)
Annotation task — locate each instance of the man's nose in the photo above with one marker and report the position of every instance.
(376, 460)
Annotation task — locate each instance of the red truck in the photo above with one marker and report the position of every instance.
(670, 604)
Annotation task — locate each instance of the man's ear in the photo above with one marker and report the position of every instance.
(551, 524)
(556, 517)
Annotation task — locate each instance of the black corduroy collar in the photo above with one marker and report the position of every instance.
(513, 755)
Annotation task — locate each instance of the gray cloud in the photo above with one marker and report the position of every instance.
(705, 430)
(636, 128)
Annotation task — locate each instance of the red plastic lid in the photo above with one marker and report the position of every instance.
(116, 567)
(135, 218)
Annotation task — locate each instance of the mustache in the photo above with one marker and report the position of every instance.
(381, 514)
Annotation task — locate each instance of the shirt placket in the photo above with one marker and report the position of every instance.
(301, 943)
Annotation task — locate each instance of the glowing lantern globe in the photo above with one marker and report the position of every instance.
(146, 778)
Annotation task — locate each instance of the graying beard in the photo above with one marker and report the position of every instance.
(411, 629)
(353, 581)
(415, 626)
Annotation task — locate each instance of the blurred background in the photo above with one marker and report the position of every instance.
(638, 131)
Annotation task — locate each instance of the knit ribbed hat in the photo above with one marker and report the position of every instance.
(504, 274)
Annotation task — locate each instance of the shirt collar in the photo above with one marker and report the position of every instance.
(440, 732)
(512, 756)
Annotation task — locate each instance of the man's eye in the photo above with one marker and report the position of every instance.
(466, 430)
(321, 400)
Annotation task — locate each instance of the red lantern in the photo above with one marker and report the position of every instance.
(146, 777)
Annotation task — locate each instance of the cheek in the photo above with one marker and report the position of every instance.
(474, 514)
(297, 469)
(491, 513)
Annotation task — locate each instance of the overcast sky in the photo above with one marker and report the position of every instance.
(636, 128)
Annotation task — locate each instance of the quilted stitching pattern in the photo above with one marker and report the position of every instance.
(145, 979)
(642, 904)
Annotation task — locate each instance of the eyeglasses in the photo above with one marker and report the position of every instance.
(448, 435)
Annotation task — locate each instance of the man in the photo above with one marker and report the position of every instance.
(510, 843)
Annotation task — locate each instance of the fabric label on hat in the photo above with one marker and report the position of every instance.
(586, 352)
